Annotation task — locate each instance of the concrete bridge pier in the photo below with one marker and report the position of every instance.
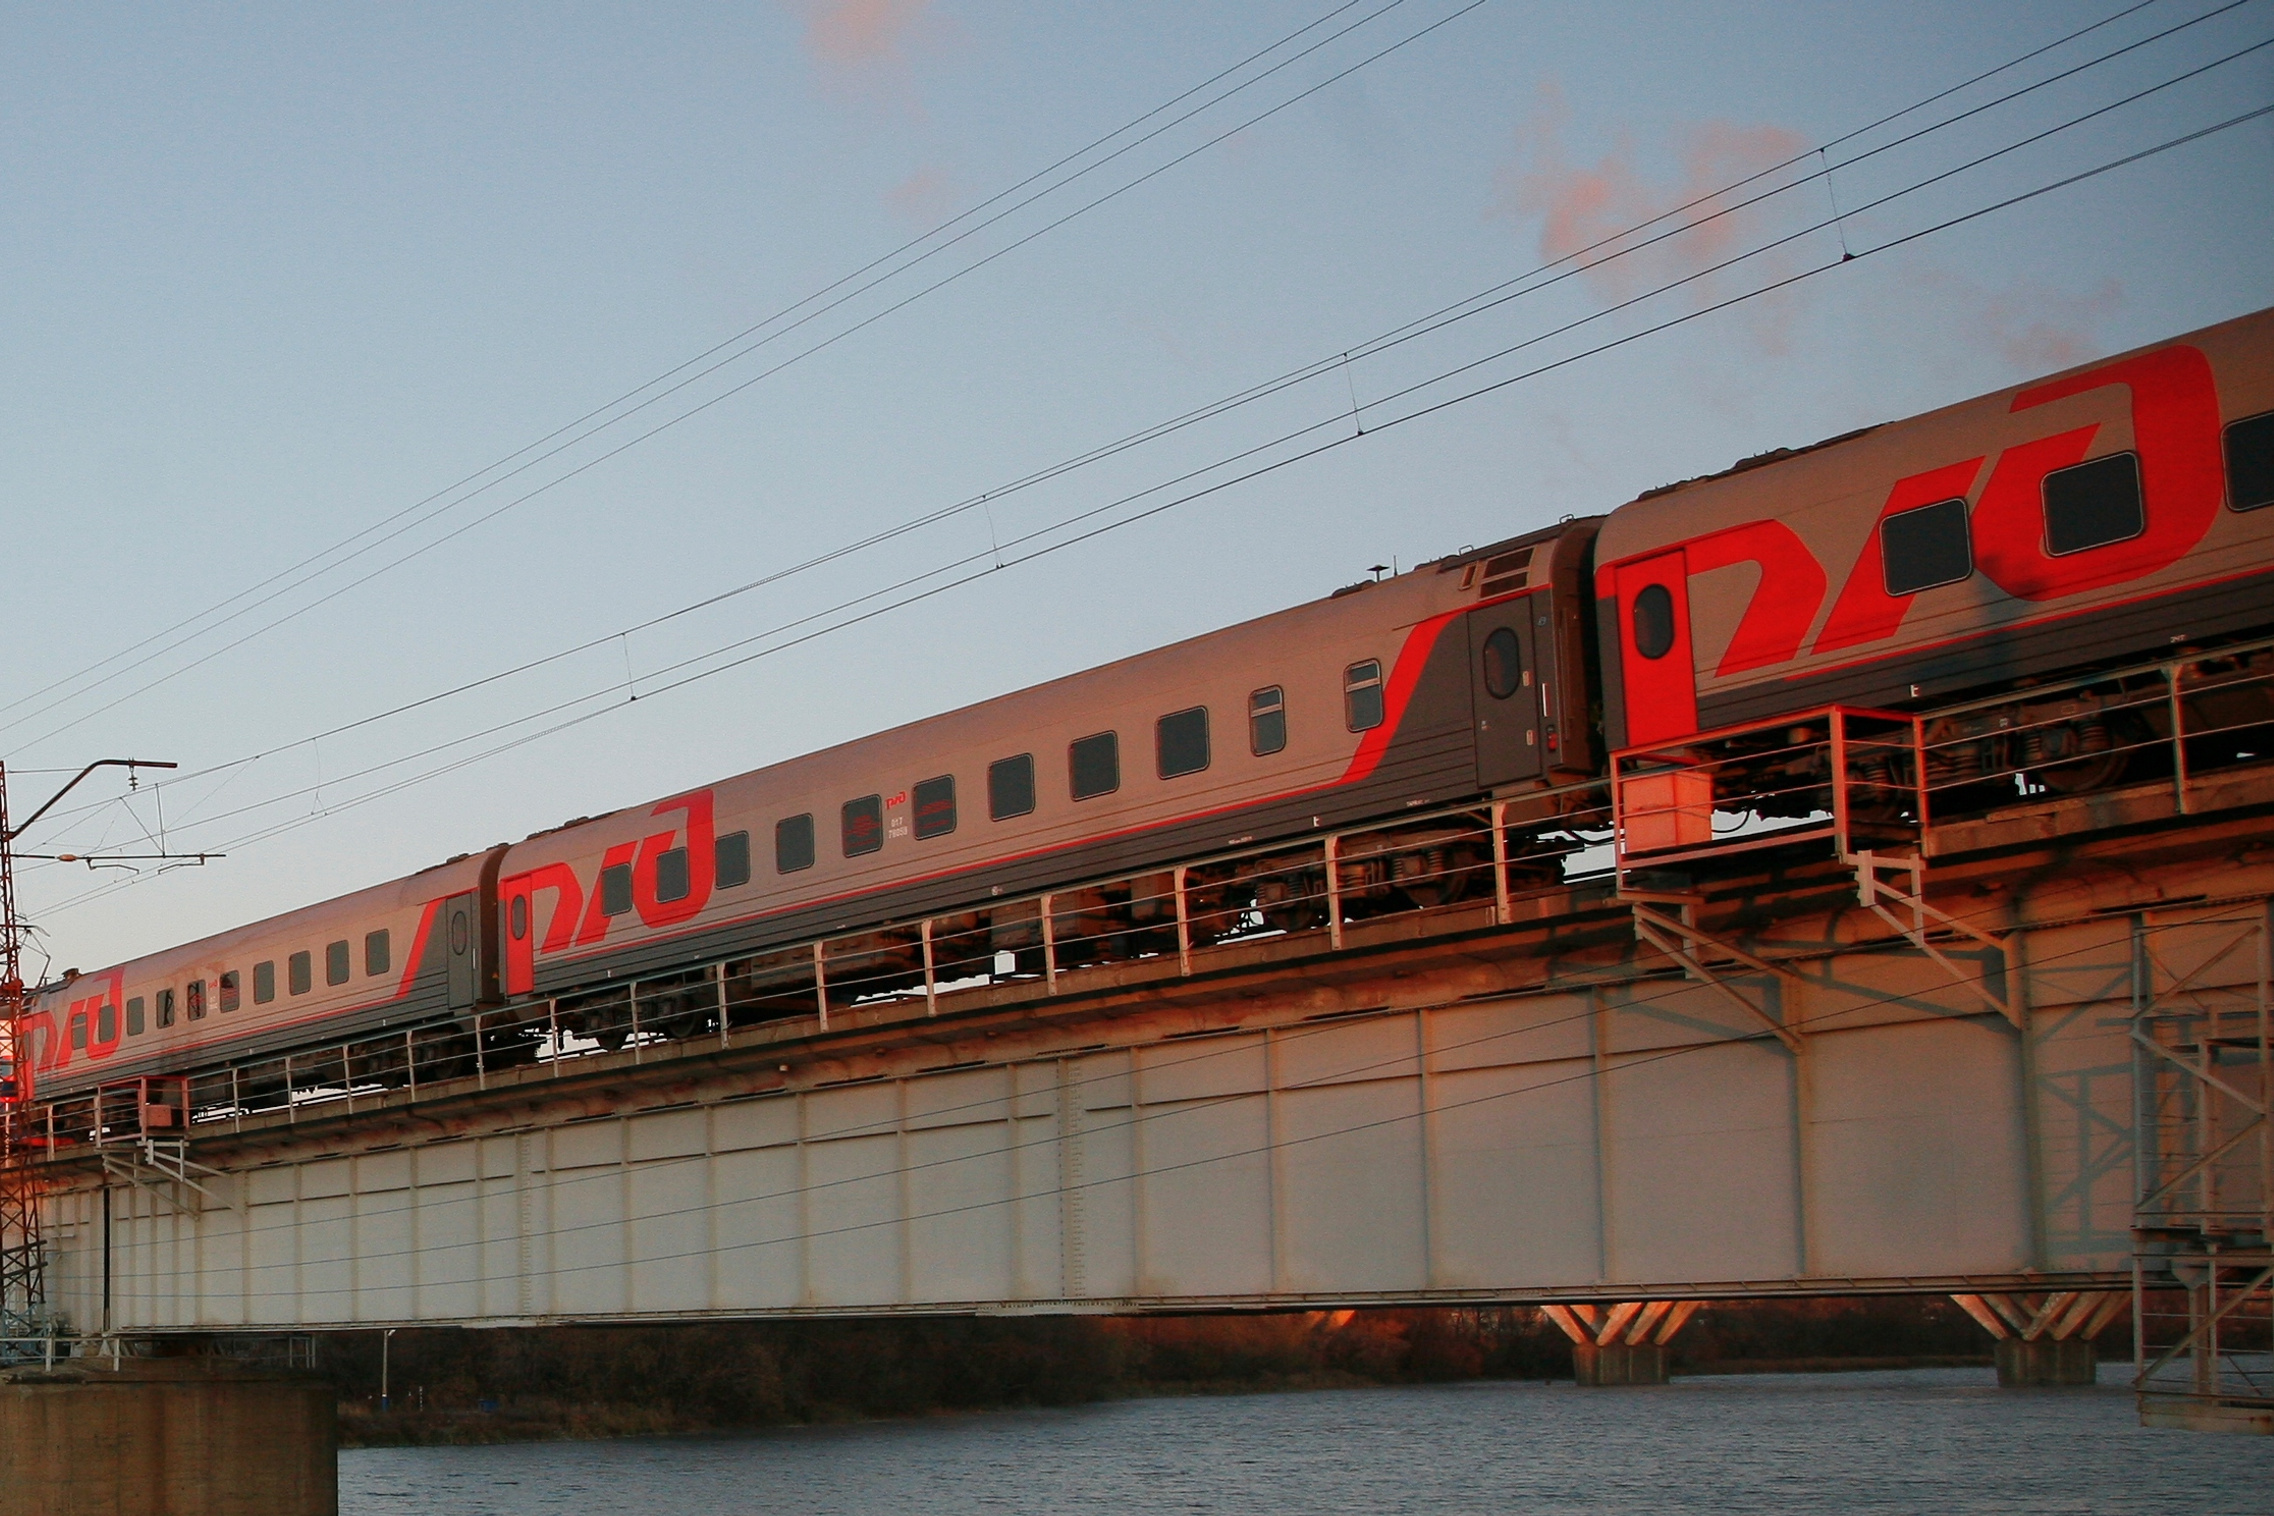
(103, 1436)
(2045, 1341)
(1623, 1343)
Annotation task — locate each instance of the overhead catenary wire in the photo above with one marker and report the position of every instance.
(1571, 265)
(577, 720)
(995, 562)
(705, 405)
(637, 440)
(716, 348)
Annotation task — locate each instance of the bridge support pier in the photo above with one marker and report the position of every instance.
(1621, 1344)
(2044, 1341)
(165, 1437)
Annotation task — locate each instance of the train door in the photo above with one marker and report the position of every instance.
(462, 948)
(1504, 690)
(1658, 679)
(517, 902)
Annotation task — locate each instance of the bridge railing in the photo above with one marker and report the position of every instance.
(1843, 776)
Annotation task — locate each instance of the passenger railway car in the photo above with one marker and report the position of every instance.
(1466, 678)
(2097, 516)
(2111, 510)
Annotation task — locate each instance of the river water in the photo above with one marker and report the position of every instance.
(1927, 1440)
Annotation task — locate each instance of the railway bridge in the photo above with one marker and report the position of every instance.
(1668, 1052)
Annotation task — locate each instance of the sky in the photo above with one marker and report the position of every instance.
(330, 474)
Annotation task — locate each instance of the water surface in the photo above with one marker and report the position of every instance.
(1929, 1440)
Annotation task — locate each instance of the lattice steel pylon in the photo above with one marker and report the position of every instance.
(23, 1253)
(2203, 1225)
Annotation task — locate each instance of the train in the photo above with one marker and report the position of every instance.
(2106, 514)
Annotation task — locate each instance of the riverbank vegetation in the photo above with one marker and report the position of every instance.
(448, 1385)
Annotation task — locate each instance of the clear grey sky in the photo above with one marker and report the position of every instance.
(272, 275)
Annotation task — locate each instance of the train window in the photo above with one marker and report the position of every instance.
(793, 844)
(106, 1024)
(1180, 742)
(299, 973)
(935, 806)
(379, 950)
(1503, 663)
(616, 890)
(861, 825)
(231, 990)
(1010, 787)
(1093, 766)
(264, 982)
(165, 1008)
(335, 962)
(134, 1022)
(1653, 617)
(79, 1029)
(2093, 504)
(517, 919)
(1362, 696)
(193, 999)
(1919, 549)
(1267, 721)
(730, 861)
(2250, 463)
(671, 875)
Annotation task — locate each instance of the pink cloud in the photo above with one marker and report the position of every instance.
(854, 33)
(2031, 326)
(1578, 205)
(926, 197)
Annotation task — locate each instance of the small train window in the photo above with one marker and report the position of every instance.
(1093, 766)
(299, 973)
(2250, 463)
(134, 1021)
(165, 1008)
(1362, 695)
(672, 876)
(935, 806)
(1010, 787)
(378, 951)
(793, 843)
(2093, 504)
(106, 1023)
(861, 825)
(193, 999)
(1503, 663)
(264, 982)
(1654, 621)
(79, 1030)
(616, 890)
(730, 861)
(1267, 721)
(1180, 743)
(335, 962)
(1919, 549)
(231, 990)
